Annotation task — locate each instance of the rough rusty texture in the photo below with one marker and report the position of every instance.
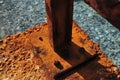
(29, 56)
(59, 18)
(109, 9)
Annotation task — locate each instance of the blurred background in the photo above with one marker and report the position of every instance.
(19, 15)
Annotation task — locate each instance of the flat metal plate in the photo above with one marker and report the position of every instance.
(29, 56)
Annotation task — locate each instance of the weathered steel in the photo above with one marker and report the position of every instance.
(29, 56)
(59, 19)
(71, 70)
(109, 9)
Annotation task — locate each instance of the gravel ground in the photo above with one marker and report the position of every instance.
(18, 15)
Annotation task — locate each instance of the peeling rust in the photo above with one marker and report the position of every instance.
(32, 59)
(73, 57)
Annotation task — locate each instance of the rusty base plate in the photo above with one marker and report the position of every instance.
(29, 56)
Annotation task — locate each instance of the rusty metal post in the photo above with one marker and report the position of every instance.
(59, 19)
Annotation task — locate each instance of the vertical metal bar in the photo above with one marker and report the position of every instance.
(59, 19)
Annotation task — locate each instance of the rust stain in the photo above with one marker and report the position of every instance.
(27, 57)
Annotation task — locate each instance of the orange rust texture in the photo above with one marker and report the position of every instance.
(59, 18)
(109, 9)
(29, 56)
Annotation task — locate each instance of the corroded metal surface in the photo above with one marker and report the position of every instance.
(109, 9)
(29, 56)
(59, 18)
